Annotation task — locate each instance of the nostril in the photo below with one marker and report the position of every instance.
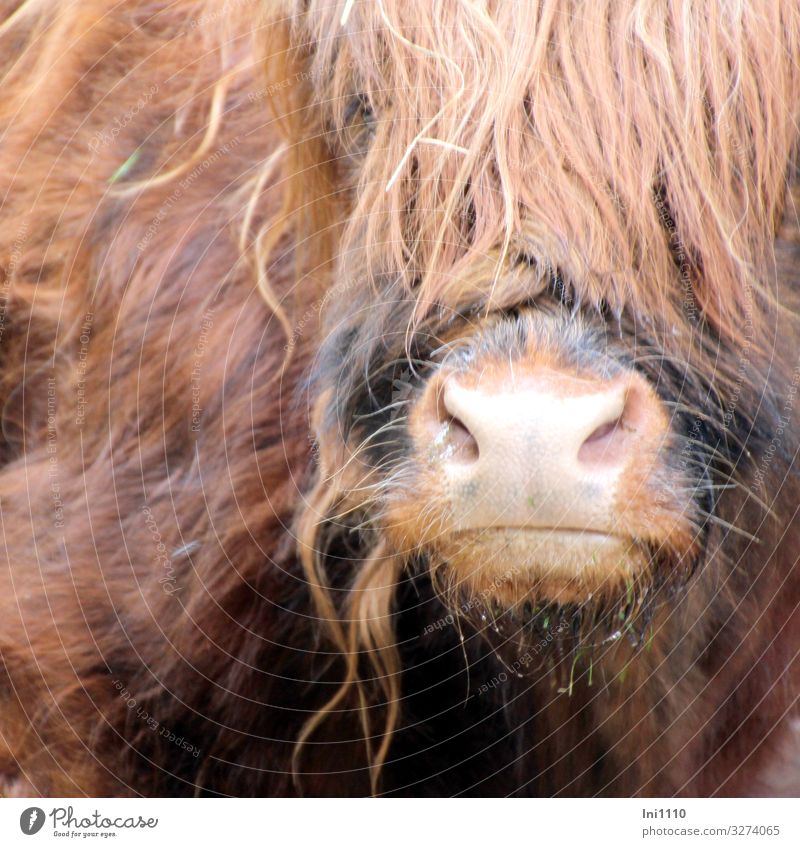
(465, 447)
(458, 441)
(605, 445)
(603, 431)
(609, 442)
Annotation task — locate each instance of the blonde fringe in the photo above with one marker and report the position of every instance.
(551, 126)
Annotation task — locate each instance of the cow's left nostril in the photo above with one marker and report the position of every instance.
(602, 432)
(604, 444)
(611, 441)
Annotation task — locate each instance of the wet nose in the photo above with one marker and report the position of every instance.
(549, 453)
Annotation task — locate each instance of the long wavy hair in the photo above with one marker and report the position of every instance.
(203, 205)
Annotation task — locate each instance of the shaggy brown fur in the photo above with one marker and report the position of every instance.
(200, 594)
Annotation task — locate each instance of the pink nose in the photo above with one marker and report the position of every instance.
(548, 453)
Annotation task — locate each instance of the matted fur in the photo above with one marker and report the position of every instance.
(392, 166)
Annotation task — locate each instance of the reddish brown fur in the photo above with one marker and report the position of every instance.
(83, 600)
(224, 649)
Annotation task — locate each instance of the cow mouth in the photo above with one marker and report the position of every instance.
(557, 563)
(556, 550)
(567, 535)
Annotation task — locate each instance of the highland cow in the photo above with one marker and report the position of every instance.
(399, 398)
